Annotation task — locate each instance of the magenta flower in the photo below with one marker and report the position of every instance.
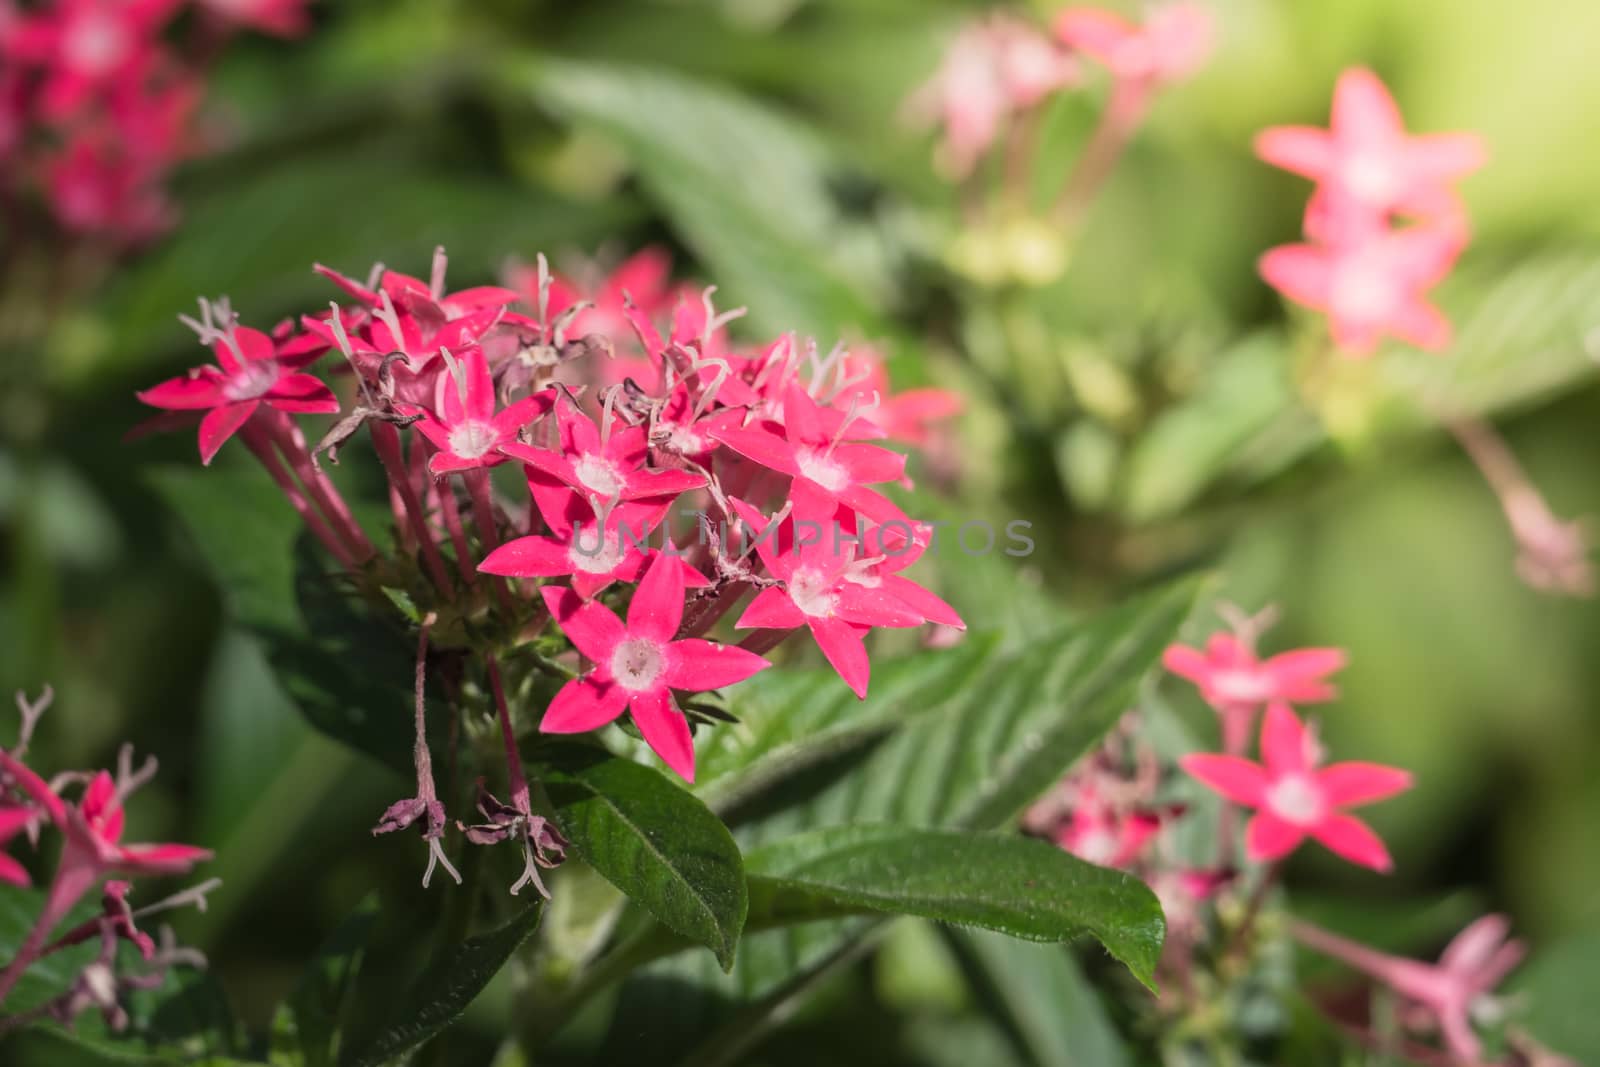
(1446, 995)
(86, 46)
(1295, 799)
(637, 665)
(283, 18)
(251, 371)
(889, 551)
(812, 450)
(1172, 43)
(594, 552)
(1365, 158)
(607, 463)
(463, 425)
(1229, 674)
(13, 820)
(908, 416)
(817, 591)
(1372, 287)
(1099, 834)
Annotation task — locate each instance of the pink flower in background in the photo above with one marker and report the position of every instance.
(13, 821)
(638, 664)
(85, 46)
(1372, 288)
(1172, 42)
(1294, 798)
(1441, 996)
(93, 188)
(251, 371)
(1102, 835)
(1365, 156)
(911, 415)
(1229, 674)
(463, 424)
(991, 70)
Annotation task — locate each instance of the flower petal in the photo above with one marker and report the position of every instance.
(12, 872)
(592, 627)
(657, 605)
(771, 610)
(1298, 677)
(528, 557)
(1234, 778)
(221, 424)
(583, 704)
(303, 393)
(665, 730)
(1268, 838)
(1303, 150)
(185, 393)
(1363, 110)
(1348, 784)
(1302, 273)
(1349, 838)
(841, 643)
(759, 446)
(1285, 742)
(696, 665)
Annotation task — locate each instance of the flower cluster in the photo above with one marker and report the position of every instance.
(1385, 224)
(1116, 809)
(93, 859)
(96, 106)
(774, 449)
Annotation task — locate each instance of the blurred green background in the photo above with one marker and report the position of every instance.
(760, 140)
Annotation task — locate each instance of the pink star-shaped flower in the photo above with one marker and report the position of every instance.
(463, 424)
(87, 45)
(817, 592)
(909, 415)
(1172, 42)
(251, 371)
(638, 664)
(1230, 675)
(887, 551)
(1366, 159)
(1371, 287)
(1295, 799)
(811, 450)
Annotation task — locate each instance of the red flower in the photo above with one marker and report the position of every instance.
(463, 424)
(637, 665)
(85, 46)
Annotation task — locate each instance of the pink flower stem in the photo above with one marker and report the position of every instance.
(458, 536)
(255, 439)
(483, 515)
(74, 877)
(1236, 723)
(1121, 118)
(1021, 146)
(519, 781)
(386, 440)
(1369, 961)
(292, 443)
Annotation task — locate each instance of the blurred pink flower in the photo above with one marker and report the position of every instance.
(285, 18)
(1172, 42)
(1294, 799)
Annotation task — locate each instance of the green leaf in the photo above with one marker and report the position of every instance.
(446, 986)
(1559, 984)
(655, 842)
(1041, 997)
(306, 1026)
(1013, 885)
(344, 667)
(748, 188)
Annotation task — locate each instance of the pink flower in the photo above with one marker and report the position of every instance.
(251, 371)
(812, 450)
(1372, 287)
(1099, 834)
(637, 665)
(1294, 799)
(1172, 43)
(85, 46)
(593, 552)
(1366, 159)
(1229, 674)
(907, 416)
(1444, 995)
(890, 551)
(817, 592)
(464, 425)
(13, 820)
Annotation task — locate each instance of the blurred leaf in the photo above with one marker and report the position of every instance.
(747, 188)
(305, 1028)
(1042, 998)
(655, 842)
(1559, 984)
(344, 668)
(447, 985)
(1014, 885)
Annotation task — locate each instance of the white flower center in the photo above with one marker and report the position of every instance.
(473, 439)
(812, 592)
(598, 476)
(256, 378)
(592, 555)
(1362, 293)
(1242, 687)
(96, 44)
(822, 469)
(1371, 178)
(683, 439)
(1296, 799)
(1096, 846)
(637, 663)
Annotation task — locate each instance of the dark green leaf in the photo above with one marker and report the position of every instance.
(655, 842)
(447, 985)
(1013, 885)
(306, 1026)
(1559, 984)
